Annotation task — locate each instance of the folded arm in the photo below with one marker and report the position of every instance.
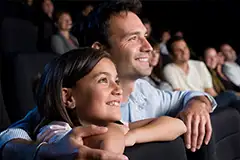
(157, 129)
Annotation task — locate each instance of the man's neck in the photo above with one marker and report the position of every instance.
(127, 87)
(184, 66)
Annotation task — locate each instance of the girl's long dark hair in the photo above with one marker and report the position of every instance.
(64, 71)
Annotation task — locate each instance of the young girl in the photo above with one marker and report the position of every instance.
(81, 87)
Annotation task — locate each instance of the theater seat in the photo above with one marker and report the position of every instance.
(225, 142)
(226, 125)
(4, 119)
(173, 150)
(19, 71)
(18, 35)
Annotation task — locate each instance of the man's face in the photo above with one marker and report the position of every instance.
(181, 53)
(47, 7)
(129, 47)
(228, 52)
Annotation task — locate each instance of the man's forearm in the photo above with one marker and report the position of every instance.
(20, 149)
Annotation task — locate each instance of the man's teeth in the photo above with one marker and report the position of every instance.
(113, 103)
(143, 59)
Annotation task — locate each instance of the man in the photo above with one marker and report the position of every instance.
(79, 22)
(230, 68)
(115, 26)
(148, 26)
(46, 25)
(165, 36)
(186, 74)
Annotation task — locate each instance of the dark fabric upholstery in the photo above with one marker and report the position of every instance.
(225, 142)
(4, 119)
(18, 35)
(19, 71)
(226, 125)
(173, 150)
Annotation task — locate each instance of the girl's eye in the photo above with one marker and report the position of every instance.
(117, 81)
(103, 80)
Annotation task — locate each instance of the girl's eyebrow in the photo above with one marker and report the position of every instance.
(100, 73)
(104, 73)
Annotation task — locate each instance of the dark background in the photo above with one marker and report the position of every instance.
(204, 22)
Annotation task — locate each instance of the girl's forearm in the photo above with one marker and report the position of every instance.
(159, 129)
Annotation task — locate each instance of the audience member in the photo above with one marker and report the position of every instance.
(186, 74)
(148, 26)
(28, 10)
(79, 24)
(155, 61)
(179, 34)
(193, 54)
(165, 36)
(115, 26)
(46, 26)
(214, 63)
(63, 41)
(230, 68)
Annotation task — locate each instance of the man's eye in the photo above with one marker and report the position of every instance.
(132, 38)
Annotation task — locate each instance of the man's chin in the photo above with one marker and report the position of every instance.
(145, 73)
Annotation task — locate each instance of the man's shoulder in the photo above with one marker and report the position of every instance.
(144, 88)
(142, 83)
(169, 66)
(228, 65)
(196, 62)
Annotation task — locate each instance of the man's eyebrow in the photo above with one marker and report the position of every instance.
(128, 34)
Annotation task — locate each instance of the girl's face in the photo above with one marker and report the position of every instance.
(98, 95)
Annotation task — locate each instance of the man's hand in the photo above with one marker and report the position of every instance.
(71, 146)
(130, 139)
(197, 119)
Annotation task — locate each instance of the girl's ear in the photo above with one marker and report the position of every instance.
(97, 45)
(67, 98)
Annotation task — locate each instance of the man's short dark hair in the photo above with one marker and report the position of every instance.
(171, 41)
(97, 24)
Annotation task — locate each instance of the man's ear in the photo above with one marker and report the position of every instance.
(97, 45)
(67, 98)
